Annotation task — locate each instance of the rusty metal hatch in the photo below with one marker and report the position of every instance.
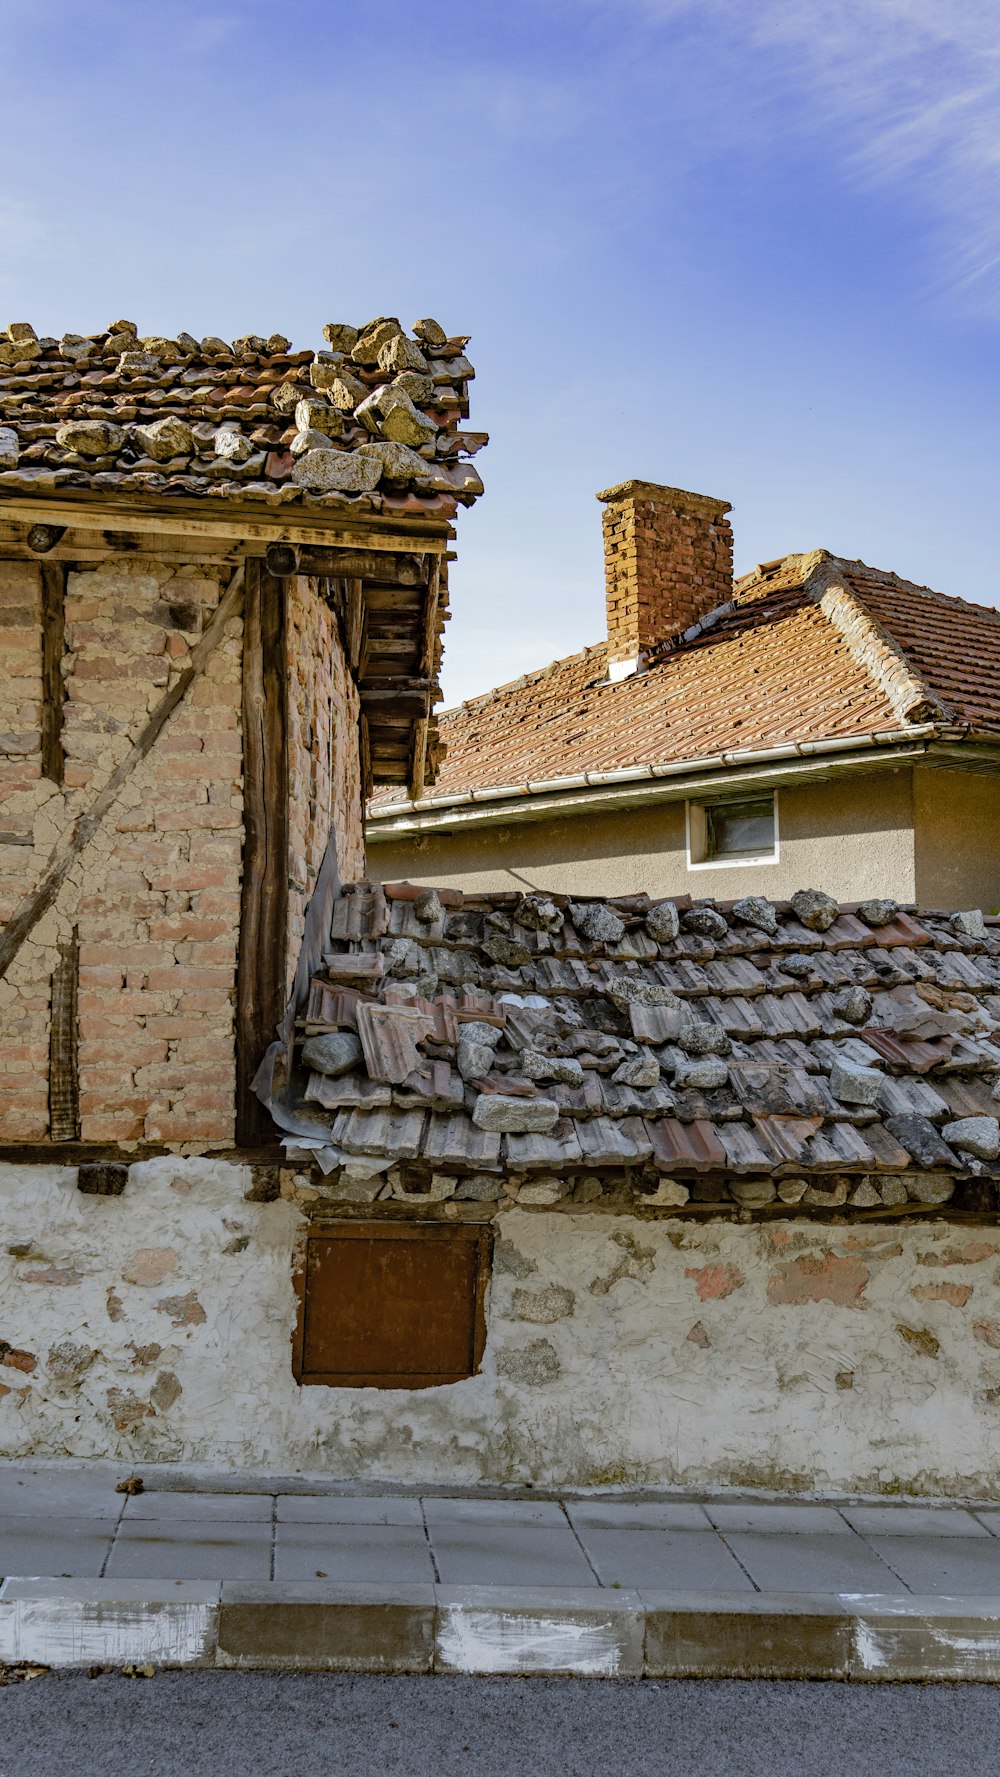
(391, 1304)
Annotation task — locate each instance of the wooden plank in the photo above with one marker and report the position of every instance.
(261, 972)
(354, 622)
(64, 1078)
(75, 840)
(53, 684)
(188, 518)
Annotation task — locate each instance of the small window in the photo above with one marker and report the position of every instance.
(736, 832)
(392, 1304)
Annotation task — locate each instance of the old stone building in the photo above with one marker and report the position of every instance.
(307, 1171)
(816, 721)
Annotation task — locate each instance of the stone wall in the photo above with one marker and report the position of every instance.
(324, 769)
(622, 1349)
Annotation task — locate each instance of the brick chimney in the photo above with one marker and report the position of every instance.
(668, 560)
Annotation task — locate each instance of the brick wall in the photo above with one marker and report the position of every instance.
(155, 898)
(158, 905)
(668, 559)
(324, 771)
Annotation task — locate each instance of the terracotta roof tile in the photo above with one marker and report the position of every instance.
(779, 665)
(116, 415)
(668, 1065)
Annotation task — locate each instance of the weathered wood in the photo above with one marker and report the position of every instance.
(229, 519)
(75, 840)
(53, 684)
(64, 1075)
(354, 622)
(349, 564)
(261, 974)
(418, 760)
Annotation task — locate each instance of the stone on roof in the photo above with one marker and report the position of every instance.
(114, 414)
(839, 1064)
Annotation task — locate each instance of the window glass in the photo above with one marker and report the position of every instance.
(740, 829)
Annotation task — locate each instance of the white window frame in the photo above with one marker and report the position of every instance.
(695, 836)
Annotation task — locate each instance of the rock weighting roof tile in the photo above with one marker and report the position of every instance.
(684, 1055)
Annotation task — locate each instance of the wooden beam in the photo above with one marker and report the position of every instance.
(64, 1079)
(229, 519)
(53, 684)
(261, 973)
(361, 564)
(354, 622)
(75, 840)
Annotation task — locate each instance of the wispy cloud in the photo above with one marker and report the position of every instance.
(908, 91)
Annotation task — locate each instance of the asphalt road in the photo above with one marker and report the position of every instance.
(264, 1725)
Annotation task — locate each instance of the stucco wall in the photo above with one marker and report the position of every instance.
(852, 837)
(957, 839)
(621, 1349)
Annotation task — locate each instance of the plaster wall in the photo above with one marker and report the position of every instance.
(621, 1349)
(851, 836)
(957, 832)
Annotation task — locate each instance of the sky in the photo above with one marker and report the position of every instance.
(749, 249)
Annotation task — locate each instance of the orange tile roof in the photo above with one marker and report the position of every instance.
(782, 663)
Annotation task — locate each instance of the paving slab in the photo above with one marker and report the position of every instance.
(951, 1565)
(988, 1518)
(502, 1554)
(812, 1563)
(644, 1515)
(228, 1508)
(364, 1554)
(688, 1560)
(778, 1520)
(300, 1508)
(56, 1546)
(907, 1520)
(76, 1492)
(494, 1629)
(439, 1509)
(326, 1625)
(186, 1550)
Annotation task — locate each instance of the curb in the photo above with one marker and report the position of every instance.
(324, 1626)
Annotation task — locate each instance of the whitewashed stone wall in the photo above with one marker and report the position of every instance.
(157, 1326)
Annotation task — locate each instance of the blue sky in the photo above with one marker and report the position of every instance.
(752, 250)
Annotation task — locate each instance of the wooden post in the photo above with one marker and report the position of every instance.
(261, 973)
(64, 1088)
(53, 688)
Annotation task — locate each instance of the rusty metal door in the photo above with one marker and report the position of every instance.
(392, 1304)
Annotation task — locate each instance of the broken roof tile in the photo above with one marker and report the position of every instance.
(785, 1036)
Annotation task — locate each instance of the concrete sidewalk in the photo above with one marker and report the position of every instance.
(256, 1571)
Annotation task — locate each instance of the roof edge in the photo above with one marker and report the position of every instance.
(748, 759)
(873, 646)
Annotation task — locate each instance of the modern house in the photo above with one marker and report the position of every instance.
(818, 721)
(423, 1185)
